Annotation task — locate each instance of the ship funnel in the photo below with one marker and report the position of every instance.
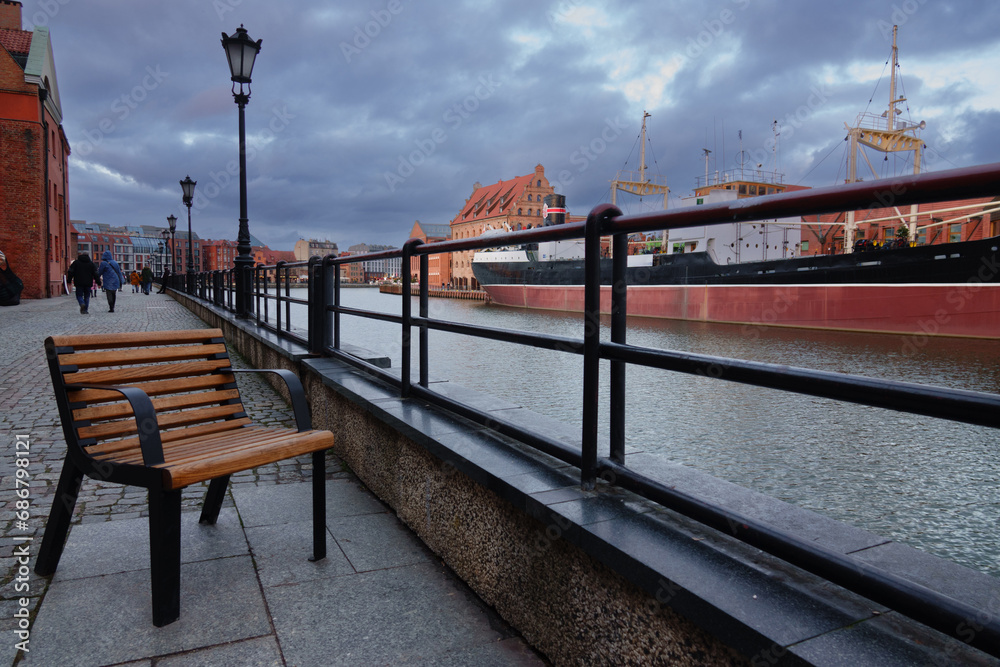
(554, 210)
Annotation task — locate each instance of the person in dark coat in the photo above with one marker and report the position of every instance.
(111, 278)
(83, 273)
(147, 279)
(166, 279)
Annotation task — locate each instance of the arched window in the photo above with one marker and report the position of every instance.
(539, 182)
(529, 197)
(529, 212)
(520, 212)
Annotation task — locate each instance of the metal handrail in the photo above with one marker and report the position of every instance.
(925, 605)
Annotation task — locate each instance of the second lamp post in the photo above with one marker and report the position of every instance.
(187, 185)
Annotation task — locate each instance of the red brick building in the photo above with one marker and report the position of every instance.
(35, 232)
(219, 255)
(506, 206)
(438, 265)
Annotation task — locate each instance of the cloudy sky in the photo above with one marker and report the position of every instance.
(368, 115)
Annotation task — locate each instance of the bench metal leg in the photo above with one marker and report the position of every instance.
(57, 527)
(213, 500)
(165, 555)
(319, 505)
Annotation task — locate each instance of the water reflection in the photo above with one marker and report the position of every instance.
(926, 482)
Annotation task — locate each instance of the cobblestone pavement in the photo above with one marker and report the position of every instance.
(28, 408)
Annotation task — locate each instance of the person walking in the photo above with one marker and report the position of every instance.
(147, 279)
(166, 278)
(83, 273)
(111, 278)
(133, 279)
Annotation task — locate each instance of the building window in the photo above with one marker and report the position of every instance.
(539, 182)
(955, 232)
(529, 197)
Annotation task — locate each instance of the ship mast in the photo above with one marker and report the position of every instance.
(637, 183)
(886, 137)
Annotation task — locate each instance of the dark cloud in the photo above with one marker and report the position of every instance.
(366, 117)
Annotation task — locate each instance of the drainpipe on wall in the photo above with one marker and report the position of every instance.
(42, 96)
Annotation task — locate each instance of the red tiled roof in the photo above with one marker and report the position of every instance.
(15, 41)
(504, 194)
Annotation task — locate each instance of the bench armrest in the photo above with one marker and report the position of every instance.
(145, 420)
(295, 392)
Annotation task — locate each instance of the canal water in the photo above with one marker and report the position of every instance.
(925, 482)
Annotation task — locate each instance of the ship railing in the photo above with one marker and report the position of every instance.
(741, 174)
(325, 311)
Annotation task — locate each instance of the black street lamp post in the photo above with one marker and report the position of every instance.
(241, 51)
(172, 221)
(167, 270)
(187, 185)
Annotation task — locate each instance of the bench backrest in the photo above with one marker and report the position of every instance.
(179, 370)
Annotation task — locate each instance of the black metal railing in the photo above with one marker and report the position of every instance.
(323, 277)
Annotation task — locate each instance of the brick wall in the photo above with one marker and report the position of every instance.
(22, 200)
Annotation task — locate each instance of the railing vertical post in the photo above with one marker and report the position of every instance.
(317, 301)
(424, 293)
(406, 315)
(592, 339)
(217, 293)
(619, 301)
(256, 293)
(277, 293)
(288, 296)
(331, 321)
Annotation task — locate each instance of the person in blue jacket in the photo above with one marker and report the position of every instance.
(111, 278)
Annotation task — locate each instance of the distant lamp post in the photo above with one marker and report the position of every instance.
(187, 185)
(172, 221)
(241, 51)
(169, 255)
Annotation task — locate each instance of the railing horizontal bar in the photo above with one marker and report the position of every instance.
(927, 606)
(971, 407)
(980, 181)
(370, 314)
(543, 341)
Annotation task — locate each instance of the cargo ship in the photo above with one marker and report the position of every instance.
(762, 273)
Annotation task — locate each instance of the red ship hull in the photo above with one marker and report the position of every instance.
(964, 309)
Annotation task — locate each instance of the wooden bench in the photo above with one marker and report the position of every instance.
(161, 410)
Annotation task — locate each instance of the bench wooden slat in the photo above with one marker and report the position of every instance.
(154, 387)
(136, 339)
(193, 448)
(135, 374)
(123, 409)
(181, 474)
(107, 450)
(115, 429)
(140, 356)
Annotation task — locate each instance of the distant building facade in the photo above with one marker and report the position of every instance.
(35, 230)
(438, 265)
(313, 248)
(506, 206)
